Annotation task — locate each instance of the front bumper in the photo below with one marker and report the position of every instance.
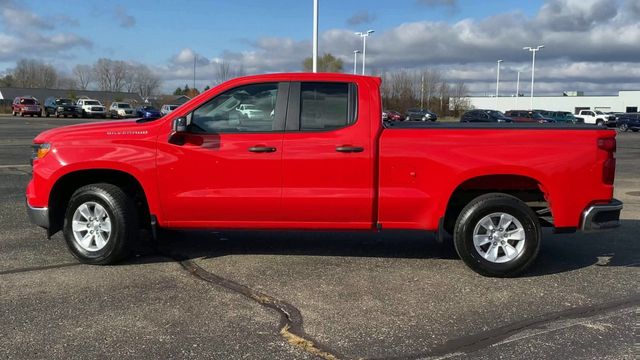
(602, 216)
(38, 216)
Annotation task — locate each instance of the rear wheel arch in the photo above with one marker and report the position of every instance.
(526, 188)
(67, 184)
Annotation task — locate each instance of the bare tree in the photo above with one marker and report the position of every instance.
(110, 74)
(224, 71)
(460, 98)
(146, 82)
(31, 73)
(84, 76)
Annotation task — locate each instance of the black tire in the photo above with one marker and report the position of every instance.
(485, 205)
(600, 122)
(46, 113)
(634, 130)
(124, 223)
(84, 113)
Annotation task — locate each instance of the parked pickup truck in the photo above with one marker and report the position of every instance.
(324, 161)
(595, 117)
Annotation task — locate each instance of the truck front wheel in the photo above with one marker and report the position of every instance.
(100, 224)
(497, 235)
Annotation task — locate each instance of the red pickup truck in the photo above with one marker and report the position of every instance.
(311, 151)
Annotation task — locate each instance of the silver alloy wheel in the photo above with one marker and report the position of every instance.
(499, 237)
(91, 226)
(624, 127)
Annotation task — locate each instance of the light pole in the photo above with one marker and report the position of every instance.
(315, 36)
(533, 66)
(364, 36)
(517, 89)
(195, 56)
(498, 84)
(355, 60)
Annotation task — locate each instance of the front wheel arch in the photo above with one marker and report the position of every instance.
(67, 184)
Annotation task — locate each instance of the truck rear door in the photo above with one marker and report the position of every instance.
(328, 169)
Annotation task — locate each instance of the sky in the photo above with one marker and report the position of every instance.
(590, 45)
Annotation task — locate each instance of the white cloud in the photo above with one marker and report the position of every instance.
(586, 42)
(29, 35)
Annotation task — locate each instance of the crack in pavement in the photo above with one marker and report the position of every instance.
(471, 343)
(38, 268)
(291, 327)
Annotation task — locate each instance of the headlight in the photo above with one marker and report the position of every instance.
(39, 151)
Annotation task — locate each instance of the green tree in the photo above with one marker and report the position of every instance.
(326, 63)
(178, 91)
(206, 88)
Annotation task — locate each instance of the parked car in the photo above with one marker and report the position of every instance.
(392, 115)
(250, 111)
(482, 115)
(60, 107)
(629, 121)
(528, 116)
(91, 107)
(596, 117)
(566, 117)
(122, 110)
(148, 112)
(612, 121)
(201, 167)
(421, 115)
(167, 108)
(25, 105)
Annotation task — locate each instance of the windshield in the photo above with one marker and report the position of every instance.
(496, 113)
(92, 102)
(599, 112)
(124, 106)
(27, 101)
(173, 107)
(537, 116)
(64, 102)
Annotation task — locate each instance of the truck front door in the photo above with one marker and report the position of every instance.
(226, 171)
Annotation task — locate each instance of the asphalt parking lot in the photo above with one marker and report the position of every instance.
(268, 295)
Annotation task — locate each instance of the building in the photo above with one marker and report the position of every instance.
(573, 101)
(7, 94)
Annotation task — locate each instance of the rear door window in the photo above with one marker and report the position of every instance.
(326, 105)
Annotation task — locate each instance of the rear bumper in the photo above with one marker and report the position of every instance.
(38, 216)
(601, 216)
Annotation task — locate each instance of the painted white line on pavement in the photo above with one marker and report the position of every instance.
(15, 166)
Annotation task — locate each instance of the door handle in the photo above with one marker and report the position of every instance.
(349, 149)
(262, 149)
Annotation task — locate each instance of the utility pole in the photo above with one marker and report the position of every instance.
(533, 66)
(517, 89)
(498, 85)
(315, 36)
(422, 92)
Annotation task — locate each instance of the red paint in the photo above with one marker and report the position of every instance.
(403, 178)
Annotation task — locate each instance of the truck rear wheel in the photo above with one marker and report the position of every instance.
(101, 224)
(497, 235)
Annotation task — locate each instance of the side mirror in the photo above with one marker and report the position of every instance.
(180, 125)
